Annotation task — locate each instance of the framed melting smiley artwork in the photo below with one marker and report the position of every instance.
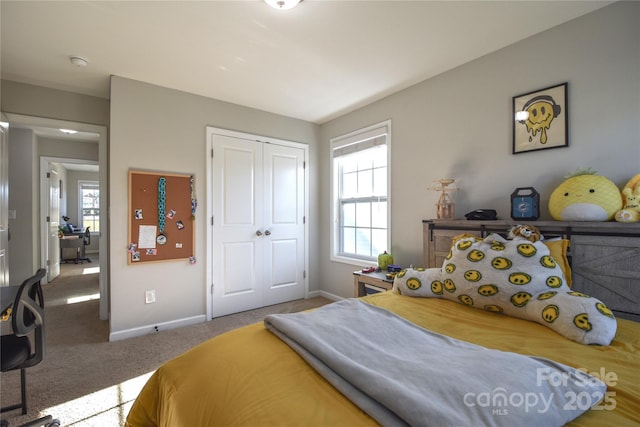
(540, 119)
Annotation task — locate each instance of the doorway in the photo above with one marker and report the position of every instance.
(63, 210)
(99, 137)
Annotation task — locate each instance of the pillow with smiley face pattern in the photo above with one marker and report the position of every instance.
(516, 277)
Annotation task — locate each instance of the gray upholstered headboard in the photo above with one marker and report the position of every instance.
(603, 255)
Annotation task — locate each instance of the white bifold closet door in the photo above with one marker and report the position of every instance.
(258, 224)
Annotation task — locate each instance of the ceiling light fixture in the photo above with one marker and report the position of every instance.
(282, 4)
(78, 61)
(68, 131)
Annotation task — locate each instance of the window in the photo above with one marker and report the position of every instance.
(89, 204)
(360, 194)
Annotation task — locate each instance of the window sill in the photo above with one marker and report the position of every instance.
(353, 261)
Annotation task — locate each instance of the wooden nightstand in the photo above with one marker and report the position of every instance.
(377, 281)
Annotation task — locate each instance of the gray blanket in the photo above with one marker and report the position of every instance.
(402, 374)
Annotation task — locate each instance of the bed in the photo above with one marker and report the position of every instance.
(251, 377)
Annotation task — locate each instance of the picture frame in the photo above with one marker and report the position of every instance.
(540, 119)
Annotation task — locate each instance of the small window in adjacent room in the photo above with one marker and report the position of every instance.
(89, 203)
(360, 195)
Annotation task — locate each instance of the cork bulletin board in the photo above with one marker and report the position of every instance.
(162, 209)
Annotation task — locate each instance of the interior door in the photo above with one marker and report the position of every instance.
(238, 225)
(53, 255)
(284, 196)
(258, 224)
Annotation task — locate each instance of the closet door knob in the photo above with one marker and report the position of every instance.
(268, 233)
(258, 233)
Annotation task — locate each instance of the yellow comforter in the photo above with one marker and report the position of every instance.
(249, 377)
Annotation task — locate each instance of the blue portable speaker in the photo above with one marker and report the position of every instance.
(525, 204)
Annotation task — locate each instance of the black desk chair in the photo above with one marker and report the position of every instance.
(16, 352)
(27, 315)
(86, 241)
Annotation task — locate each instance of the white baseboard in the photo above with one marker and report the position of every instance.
(324, 294)
(150, 329)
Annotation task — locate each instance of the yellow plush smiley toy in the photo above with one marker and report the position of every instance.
(585, 196)
(630, 211)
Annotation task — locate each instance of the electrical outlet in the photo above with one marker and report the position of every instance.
(150, 296)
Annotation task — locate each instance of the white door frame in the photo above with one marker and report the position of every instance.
(209, 199)
(22, 120)
(46, 198)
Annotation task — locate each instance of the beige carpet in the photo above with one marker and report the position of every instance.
(84, 380)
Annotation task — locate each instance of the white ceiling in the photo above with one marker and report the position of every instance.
(80, 167)
(315, 62)
(53, 133)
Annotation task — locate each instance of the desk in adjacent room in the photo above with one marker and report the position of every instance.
(67, 244)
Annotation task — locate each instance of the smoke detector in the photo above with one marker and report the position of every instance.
(78, 61)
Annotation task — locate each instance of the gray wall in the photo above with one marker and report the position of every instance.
(52, 147)
(38, 101)
(159, 129)
(24, 246)
(458, 125)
